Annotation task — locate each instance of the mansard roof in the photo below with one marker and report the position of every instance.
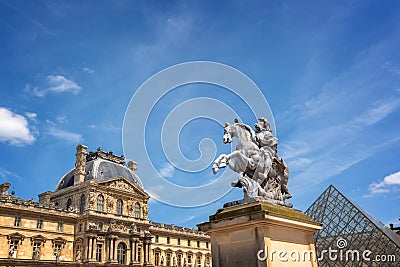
(101, 169)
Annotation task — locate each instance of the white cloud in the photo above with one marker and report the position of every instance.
(167, 170)
(14, 128)
(65, 135)
(32, 116)
(88, 70)
(56, 84)
(388, 184)
(7, 174)
(61, 119)
(378, 112)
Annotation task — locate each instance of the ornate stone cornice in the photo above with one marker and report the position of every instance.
(99, 153)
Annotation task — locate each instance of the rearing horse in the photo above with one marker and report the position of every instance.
(249, 159)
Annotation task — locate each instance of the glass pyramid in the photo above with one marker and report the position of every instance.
(350, 235)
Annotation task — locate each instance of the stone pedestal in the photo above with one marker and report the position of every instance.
(261, 234)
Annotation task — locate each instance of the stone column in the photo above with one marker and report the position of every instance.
(94, 248)
(111, 249)
(114, 249)
(148, 252)
(88, 256)
(144, 252)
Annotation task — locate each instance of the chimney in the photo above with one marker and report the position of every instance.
(4, 189)
(391, 226)
(132, 166)
(80, 164)
(44, 198)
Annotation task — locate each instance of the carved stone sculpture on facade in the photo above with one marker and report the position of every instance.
(36, 253)
(261, 173)
(78, 257)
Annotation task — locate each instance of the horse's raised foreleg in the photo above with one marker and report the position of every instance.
(219, 162)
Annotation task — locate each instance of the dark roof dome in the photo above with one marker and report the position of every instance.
(101, 168)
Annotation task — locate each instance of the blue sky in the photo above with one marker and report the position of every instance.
(330, 73)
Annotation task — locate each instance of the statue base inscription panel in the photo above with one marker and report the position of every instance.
(261, 234)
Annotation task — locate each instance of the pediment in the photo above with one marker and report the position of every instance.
(38, 238)
(123, 184)
(15, 236)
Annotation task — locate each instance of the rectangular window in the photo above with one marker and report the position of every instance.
(206, 244)
(17, 221)
(57, 251)
(179, 241)
(198, 244)
(188, 242)
(36, 250)
(168, 240)
(139, 252)
(156, 239)
(12, 253)
(179, 260)
(99, 249)
(190, 259)
(39, 224)
(100, 226)
(60, 227)
(157, 258)
(168, 259)
(80, 227)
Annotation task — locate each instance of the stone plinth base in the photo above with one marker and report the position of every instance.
(261, 234)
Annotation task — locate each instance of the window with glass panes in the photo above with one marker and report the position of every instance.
(36, 249)
(99, 250)
(12, 253)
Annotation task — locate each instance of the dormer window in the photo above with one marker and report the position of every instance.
(119, 206)
(137, 210)
(82, 204)
(100, 202)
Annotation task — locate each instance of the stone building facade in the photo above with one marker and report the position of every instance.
(97, 216)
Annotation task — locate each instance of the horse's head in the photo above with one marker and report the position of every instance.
(228, 133)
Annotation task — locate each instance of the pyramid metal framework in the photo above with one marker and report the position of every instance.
(351, 231)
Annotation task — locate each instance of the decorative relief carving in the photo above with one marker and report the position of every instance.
(105, 155)
(130, 207)
(92, 226)
(145, 211)
(121, 186)
(109, 204)
(117, 226)
(92, 200)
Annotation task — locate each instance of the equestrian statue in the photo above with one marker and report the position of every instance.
(261, 173)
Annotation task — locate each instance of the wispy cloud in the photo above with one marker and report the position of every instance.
(329, 125)
(61, 119)
(167, 170)
(5, 174)
(55, 84)
(389, 184)
(14, 128)
(64, 135)
(32, 116)
(378, 112)
(88, 70)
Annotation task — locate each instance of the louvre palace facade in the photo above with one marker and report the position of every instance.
(97, 216)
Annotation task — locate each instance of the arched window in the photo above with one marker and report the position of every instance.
(56, 205)
(100, 202)
(82, 203)
(69, 203)
(121, 253)
(137, 210)
(119, 206)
